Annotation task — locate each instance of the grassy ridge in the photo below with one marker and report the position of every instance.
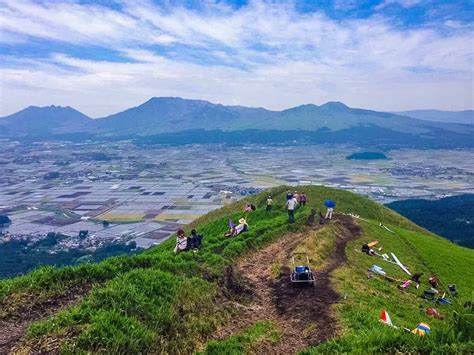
(160, 302)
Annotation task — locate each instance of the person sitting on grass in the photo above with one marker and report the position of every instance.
(237, 229)
(181, 241)
(249, 208)
(195, 240)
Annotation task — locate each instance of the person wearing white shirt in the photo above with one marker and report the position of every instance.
(290, 206)
(181, 242)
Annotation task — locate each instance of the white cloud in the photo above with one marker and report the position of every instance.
(263, 54)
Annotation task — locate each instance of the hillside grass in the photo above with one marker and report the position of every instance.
(359, 313)
(247, 341)
(318, 246)
(160, 302)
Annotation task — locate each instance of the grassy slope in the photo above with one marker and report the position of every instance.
(360, 312)
(142, 303)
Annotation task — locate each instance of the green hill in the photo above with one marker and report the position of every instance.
(210, 301)
(367, 156)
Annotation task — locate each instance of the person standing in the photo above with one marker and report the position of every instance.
(303, 199)
(290, 206)
(330, 204)
(297, 197)
(269, 203)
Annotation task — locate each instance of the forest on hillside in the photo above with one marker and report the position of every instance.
(450, 217)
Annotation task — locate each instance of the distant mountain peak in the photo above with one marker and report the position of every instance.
(46, 120)
(51, 108)
(335, 105)
(171, 99)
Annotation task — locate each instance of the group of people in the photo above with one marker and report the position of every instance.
(293, 201)
(300, 198)
(183, 243)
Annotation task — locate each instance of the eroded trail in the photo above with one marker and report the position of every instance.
(13, 328)
(302, 314)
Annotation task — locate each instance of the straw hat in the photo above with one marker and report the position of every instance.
(242, 221)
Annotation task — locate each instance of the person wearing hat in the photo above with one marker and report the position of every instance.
(181, 241)
(241, 227)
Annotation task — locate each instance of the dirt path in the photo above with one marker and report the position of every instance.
(303, 314)
(13, 328)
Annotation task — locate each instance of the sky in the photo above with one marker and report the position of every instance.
(105, 56)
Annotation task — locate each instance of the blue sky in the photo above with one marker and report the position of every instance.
(104, 56)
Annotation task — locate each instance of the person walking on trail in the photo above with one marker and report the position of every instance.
(303, 199)
(291, 206)
(296, 196)
(330, 204)
(269, 203)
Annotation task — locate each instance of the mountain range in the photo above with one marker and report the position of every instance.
(163, 118)
(466, 116)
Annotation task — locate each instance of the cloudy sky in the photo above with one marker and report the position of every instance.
(101, 57)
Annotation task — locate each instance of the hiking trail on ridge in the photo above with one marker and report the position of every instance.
(302, 314)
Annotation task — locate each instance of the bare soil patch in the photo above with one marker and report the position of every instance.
(13, 328)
